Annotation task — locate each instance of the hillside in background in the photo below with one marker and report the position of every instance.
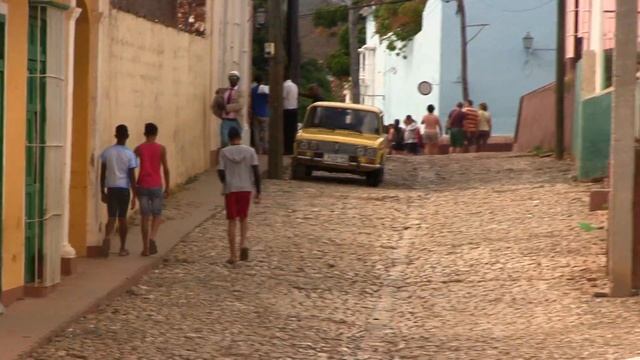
(315, 43)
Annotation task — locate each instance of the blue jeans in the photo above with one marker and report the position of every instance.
(225, 126)
(151, 200)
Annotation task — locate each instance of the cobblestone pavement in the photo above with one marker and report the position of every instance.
(471, 256)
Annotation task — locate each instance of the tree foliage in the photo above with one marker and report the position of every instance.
(329, 17)
(313, 72)
(399, 23)
(336, 18)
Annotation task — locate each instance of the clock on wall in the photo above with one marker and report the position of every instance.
(425, 88)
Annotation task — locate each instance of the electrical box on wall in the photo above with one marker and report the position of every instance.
(269, 50)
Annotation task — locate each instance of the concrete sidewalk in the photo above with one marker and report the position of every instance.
(30, 322)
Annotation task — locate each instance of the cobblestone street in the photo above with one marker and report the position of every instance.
(470, 256)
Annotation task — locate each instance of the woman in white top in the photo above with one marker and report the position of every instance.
(411, 134)
(484, 126)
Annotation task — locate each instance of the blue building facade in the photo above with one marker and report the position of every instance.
(500, 68)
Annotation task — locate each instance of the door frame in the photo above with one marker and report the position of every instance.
(3, 106)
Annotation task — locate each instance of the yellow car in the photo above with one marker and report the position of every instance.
(340, 138)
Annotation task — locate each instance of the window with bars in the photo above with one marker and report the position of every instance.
(185, 15)
(45, 144)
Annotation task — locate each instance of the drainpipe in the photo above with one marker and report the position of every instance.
(66, 250)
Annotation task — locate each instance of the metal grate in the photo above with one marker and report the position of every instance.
(337, 148)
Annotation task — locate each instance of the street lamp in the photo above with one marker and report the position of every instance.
(527, 42)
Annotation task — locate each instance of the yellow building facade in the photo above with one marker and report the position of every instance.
(71, 71)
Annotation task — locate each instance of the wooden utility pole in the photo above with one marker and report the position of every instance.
(560, 72)
(621, 247)
(276, 79)
(293, 40)
(354, 55)
(463, 43)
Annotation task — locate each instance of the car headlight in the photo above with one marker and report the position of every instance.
(361, 151)
(372, 153)
(303, 145)
(314, 146)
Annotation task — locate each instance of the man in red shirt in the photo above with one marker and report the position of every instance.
(152, 157)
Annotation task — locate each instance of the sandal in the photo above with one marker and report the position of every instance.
(244, 254)
(123, 252)
(153, 247)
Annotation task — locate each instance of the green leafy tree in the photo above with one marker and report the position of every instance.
(335, 18)
(399, 23)
(329, 17)
(313, 72)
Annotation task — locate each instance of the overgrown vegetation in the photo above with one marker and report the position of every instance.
(313, 72)
(335, 18)
(399, 23)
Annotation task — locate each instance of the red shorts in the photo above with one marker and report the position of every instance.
(237, 204)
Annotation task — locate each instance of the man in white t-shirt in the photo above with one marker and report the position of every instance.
(238, 171)
(117, 176)
(290, 116)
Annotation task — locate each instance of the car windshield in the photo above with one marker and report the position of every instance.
(360, 121)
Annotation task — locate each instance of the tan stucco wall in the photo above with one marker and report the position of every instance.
(150, 73)
(159, 75)
(14, 146)
(140, 71)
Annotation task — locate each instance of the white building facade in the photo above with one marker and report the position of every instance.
(500, 69)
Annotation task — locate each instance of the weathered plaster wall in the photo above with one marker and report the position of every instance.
(397, 77)
(500, 71)
(14, 146)
(156, 76)
(537, 120)
(149, 73)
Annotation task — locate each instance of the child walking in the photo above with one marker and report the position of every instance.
(238, 171)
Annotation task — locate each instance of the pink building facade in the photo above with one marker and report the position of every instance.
(592, 20)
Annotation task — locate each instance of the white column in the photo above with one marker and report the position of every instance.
(55, 150)
(67, 251)
(597, 33)
(623, 150)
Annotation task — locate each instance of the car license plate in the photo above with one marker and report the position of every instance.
(336, 158)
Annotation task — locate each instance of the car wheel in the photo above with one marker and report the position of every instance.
(375, 178)
(299, 172)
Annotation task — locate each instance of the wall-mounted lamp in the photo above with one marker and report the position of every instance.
(527, 43)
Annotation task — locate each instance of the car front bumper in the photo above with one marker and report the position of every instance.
(321, 164)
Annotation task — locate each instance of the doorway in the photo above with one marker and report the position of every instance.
(2, 60)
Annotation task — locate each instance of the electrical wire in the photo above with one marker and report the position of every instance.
(519, 10)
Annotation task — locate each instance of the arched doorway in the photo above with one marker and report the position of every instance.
(80, 154)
